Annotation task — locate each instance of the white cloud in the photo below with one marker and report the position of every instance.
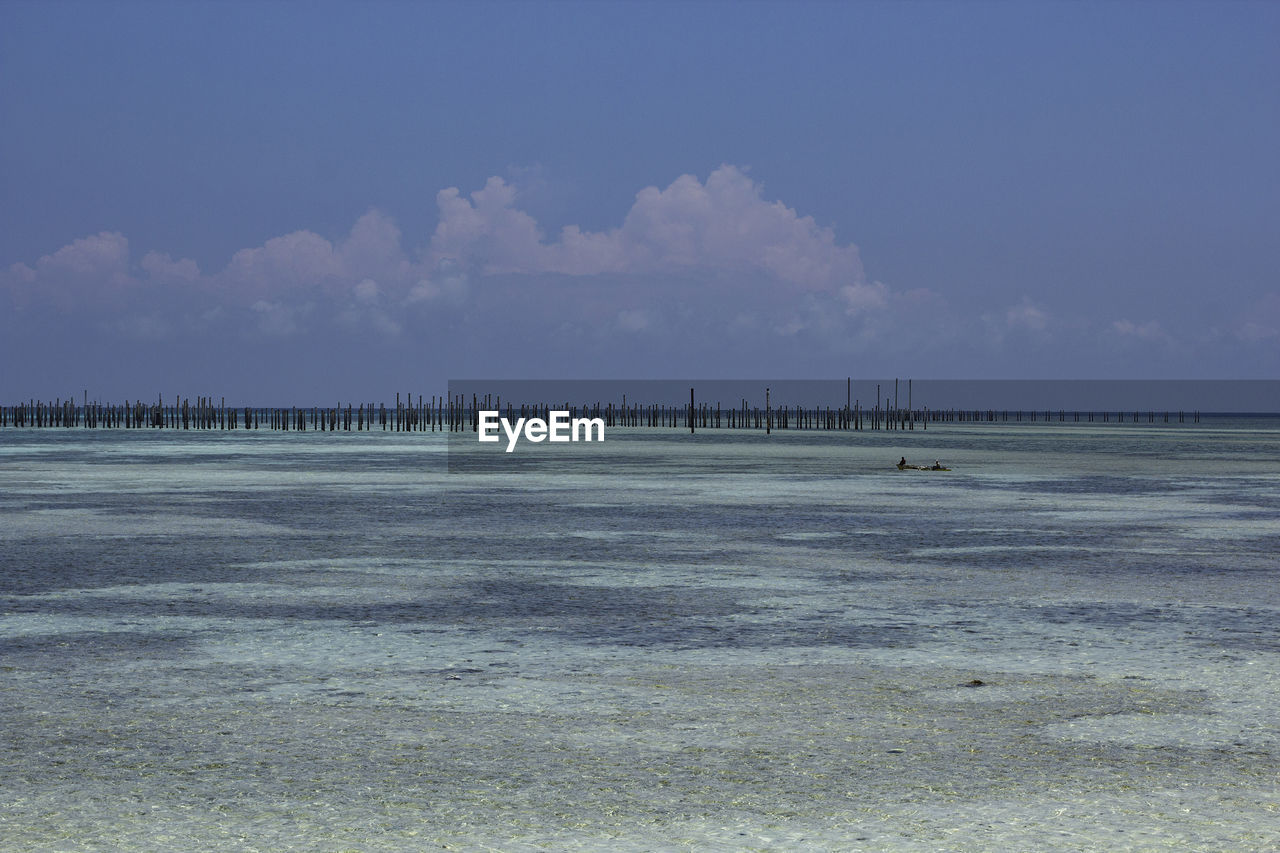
(277, 319)
(304, 260)
(367, 292)
(862, 298)
(20, 273)
(92, 270)
(283, 263)
(100, 257)
(366, 309)
(447, 283)
(372, 249)
(696, 253)
(87, 267)
(164, 268)
(722, 227)
(487, 232)
(723, 224)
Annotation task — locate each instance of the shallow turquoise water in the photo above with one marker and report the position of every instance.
(725, 641)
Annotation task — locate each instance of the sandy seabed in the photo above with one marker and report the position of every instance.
(209, 649)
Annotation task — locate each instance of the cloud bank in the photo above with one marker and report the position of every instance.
(711, 270)
(723, 224)
(720, 236)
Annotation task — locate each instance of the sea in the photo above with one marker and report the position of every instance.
(730, 640)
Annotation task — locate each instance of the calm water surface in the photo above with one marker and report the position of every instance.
(238, 641)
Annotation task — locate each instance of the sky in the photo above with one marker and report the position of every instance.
(295, 203)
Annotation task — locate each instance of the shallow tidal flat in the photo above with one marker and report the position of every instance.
(724, 642)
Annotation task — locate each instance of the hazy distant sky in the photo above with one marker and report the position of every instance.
(312, 201)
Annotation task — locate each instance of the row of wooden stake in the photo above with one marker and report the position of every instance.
(454, 413)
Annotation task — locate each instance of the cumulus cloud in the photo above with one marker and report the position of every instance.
(722, 227)
(678, 256)
(304, 261)
(285, 263)
(277, 319)
(365, 308)
(288, 285)
(700, 268)
(373, 248)
(367, 292)
(86, 270)
(487, 232)
(723, 224)
(447, 283)
(101, 257)
(859, 299)
(162, 267)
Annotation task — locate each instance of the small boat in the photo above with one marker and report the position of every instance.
(902, 467)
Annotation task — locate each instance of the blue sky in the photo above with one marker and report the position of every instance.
(306, 201)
